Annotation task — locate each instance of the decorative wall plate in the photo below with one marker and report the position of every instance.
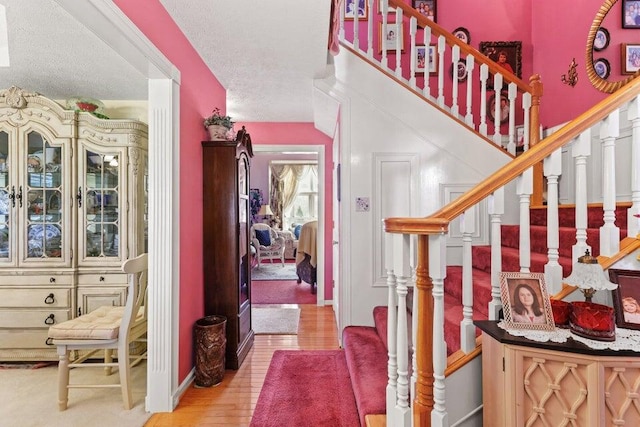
(602, 68)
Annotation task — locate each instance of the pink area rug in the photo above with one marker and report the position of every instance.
(306, 388)
(281, 292)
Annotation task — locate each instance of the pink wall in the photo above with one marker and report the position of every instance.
(303, 134)
(200, 92)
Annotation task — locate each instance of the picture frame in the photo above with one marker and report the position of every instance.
(393, 31)
(461, 69)
(390, 9)
(426, 8)
(625, 296)
(630, 14)
(363, 9)
(522, 292)
(630, 55)
(602, 68)
(512, 49)
(601, 41)
(462, 34)
(421, 59)
(504, 107)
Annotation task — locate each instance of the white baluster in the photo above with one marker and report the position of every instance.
(526, 106)
(427, 61)
(633, 223)
(455, 57)
(356, 27)
(513, 92)
(384, 61)
(402, 270)
(392, 316)
(484, 74)
(552, 269)
(399, 40)
(441, 49)
(413, 28)
(468, 119)
(467, 328)
(496, 210)
(497, 114)
(580, 150)
(438, 272)
(370, 30)
(524, 188)
(609, 233)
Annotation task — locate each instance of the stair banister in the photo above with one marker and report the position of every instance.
(496, 210)
(580, 150)
(392, 321)
(467, 328)
(553, 270)
(524, 188)
(402, 271)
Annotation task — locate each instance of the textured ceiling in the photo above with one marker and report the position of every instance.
(265, 59)
(265, 53)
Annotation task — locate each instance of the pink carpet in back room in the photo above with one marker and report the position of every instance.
(281, 292)
(286, 399)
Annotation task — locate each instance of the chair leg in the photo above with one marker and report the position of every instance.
(108, 358)
(63, 377)
(124, 368)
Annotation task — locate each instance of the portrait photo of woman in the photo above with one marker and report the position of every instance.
(525, 301)
(526, 305)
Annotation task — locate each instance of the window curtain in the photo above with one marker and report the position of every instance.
(284, 187)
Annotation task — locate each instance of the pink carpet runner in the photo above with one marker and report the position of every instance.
(281, 292)
(306, 388)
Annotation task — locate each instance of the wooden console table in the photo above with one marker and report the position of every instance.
(529, 383)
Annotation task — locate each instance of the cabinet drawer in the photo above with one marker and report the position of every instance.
(28, 338)
(38, 280)
(102, 279)
(17, 298)
(32, 318)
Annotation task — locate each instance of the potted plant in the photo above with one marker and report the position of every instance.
(218, 125)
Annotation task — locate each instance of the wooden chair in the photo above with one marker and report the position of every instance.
(108, 329)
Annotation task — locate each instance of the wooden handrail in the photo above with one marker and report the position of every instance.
(438, 222)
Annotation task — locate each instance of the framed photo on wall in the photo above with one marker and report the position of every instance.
(602, 39)
(525, 301)
(422, 54)
(389, 40)
(626, 297)
(504, 107)
(350, 7)
(426, 8)
(630, 55)
(630, 13)
(602, 68)
(508, 55)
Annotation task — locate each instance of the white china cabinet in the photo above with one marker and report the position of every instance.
(72, 209)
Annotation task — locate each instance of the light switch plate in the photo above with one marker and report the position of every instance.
(362, 204)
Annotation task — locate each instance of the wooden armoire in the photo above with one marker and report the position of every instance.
(226, 244)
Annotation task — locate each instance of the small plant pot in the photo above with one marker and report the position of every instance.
(217, 132)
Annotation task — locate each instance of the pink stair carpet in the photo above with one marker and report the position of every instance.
(306, 388)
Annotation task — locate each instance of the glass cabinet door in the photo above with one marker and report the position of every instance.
(43, 197)
(244, 214)
(5, 200)
(100, 204)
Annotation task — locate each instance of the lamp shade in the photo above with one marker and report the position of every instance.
(265, 210)
(588, 274)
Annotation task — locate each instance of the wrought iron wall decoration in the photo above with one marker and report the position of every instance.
(571, 78)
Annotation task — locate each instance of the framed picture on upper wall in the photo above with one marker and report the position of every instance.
(630, 13)
(426, 8)
(630, 55)
(507, 54)
(422, 54)
(350, 7)
(602, 39)
(390, 39)
(626, 297)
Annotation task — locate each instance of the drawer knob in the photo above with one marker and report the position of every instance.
(49, 341)
(50, 320)
(49, 299)
(52, 280)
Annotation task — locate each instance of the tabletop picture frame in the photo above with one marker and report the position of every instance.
(523, 291)
(625, 297)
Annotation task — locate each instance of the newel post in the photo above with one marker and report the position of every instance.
(534, 137)
(423, 402)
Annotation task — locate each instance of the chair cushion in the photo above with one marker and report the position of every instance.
(102, 323)
(264, 237)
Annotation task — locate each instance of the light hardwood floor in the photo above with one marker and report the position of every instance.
(231, 403)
